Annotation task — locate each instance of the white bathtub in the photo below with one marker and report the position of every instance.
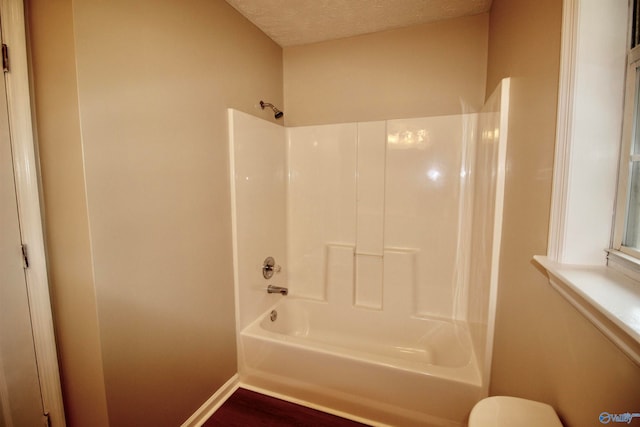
(413, 371)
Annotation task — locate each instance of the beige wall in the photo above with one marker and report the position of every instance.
(66, 221)
(544, 349)
(147, 117)
(424, 70)
(130, 101)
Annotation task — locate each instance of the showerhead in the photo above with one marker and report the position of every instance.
(276, 113)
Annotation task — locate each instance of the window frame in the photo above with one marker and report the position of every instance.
(594, 56)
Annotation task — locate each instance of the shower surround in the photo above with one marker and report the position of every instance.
(388, 235)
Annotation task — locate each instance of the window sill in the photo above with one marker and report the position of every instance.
(608, 298)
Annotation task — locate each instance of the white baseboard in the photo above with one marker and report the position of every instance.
(212, 404)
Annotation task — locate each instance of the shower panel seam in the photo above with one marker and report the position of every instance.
(354, 280)
(384, 211)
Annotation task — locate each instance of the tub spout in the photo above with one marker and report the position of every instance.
(272, 289)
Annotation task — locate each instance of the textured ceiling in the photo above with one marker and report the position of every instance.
(294, 22)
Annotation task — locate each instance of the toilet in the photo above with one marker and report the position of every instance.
(505, 411)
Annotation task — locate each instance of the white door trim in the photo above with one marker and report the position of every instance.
(28, 196)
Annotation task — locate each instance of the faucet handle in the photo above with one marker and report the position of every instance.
(269, 267)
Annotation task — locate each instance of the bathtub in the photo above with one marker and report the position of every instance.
(364, 363)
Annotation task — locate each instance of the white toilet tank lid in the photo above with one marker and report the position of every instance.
(504, 411)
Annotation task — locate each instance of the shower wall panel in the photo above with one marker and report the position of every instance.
(366, 199)
(422, 204)
(486, 230)
(321, 202)
(258, 191)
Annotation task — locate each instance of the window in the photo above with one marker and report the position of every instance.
(588, 164)
(626, 236)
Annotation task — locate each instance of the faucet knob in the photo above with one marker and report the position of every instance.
(269, 267)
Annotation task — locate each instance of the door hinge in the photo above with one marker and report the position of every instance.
(5, 58)
(25, 256)
(47, 420)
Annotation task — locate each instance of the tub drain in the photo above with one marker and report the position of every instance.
(273, 315)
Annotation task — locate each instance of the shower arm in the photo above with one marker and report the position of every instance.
(277, 113)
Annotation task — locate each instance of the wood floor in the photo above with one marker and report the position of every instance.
(248, 409)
